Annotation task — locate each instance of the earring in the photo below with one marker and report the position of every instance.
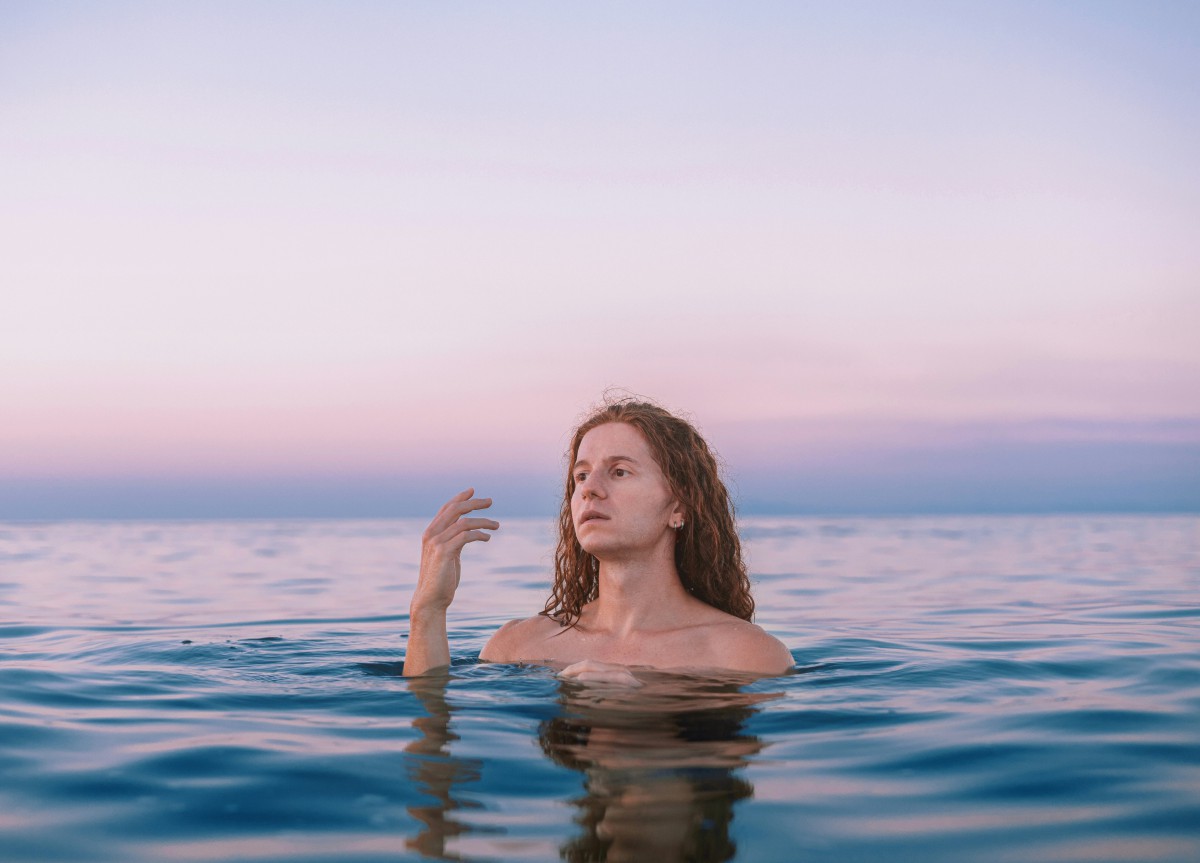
(678, 525)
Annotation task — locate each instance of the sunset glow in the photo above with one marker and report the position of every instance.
(411, 243)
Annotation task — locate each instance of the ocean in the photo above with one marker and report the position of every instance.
(965, 688)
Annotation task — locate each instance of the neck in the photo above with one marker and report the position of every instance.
(637, 595)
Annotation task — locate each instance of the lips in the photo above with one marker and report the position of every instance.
(591, 516)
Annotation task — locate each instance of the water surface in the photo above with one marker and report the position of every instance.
(986, 689)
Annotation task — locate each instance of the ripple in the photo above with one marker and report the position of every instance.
(990, 691)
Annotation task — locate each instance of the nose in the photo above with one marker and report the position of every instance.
(590, 487)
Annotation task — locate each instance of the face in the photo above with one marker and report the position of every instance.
(622, 505)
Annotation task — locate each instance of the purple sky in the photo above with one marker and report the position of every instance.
(292, 258)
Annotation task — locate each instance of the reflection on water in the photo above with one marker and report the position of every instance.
(659, 764)
(436, 771)
(983, 689)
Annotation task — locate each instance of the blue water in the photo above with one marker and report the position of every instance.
(983, 689)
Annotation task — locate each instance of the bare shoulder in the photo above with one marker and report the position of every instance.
(510, 642)
(746, 646)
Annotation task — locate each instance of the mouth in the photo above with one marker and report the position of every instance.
(592, 516)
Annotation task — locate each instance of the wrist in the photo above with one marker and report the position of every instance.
(426, 612)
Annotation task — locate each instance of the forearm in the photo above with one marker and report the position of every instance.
(428, 647)
(441, 545)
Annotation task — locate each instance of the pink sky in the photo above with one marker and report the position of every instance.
(401, 239)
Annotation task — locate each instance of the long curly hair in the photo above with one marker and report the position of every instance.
(708, 553)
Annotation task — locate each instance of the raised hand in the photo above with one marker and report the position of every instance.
(441, 570)
(441, 550)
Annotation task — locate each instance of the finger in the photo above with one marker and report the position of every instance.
(473, 504)
(457, 506)
(477, 524)
(468, 536)
(610, 678)
(619, 678)
(463, 495)
(577, 668)
(445, 515)
(452, 534)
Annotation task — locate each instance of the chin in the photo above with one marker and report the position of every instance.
(591, 545)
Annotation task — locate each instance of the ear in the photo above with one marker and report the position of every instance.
(678, 515)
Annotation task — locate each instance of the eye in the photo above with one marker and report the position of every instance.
(620, 471)
(581, 476)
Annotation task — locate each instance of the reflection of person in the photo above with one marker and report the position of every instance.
(661, 766)
(658, 771)
(436, 772)
(648, 571)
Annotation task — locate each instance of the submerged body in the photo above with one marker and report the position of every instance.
(625, 520)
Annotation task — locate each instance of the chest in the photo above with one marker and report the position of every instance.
(674, 649)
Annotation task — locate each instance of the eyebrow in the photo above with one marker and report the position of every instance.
(610, 459)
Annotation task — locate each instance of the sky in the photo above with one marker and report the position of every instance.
(320, 259)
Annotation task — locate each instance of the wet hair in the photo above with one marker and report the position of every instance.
(708, 553)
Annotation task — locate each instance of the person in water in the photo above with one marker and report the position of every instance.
(648, 571)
